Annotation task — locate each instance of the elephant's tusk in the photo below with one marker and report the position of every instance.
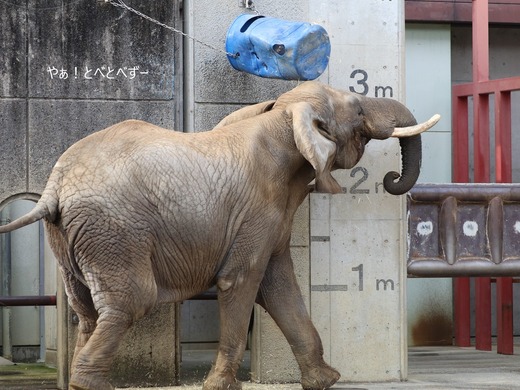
(401, 132)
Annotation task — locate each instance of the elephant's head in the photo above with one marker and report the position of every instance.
(332, 127)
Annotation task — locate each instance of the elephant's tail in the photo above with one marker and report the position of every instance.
(47, 207)
(40, 211)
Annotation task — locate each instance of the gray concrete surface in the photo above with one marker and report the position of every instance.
(429, 368)
(5, 362)
(75, 68)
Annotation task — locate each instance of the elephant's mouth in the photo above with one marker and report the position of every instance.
(348, 157)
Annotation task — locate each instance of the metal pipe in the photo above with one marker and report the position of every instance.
(468, 192)
(50, 300)
(6, 287)
(41, 289)
(205, 296)
(29, 300)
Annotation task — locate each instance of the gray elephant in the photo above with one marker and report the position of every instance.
(138, 215)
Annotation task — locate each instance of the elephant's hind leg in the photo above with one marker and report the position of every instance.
(121, 295)
(78, 294)
(92, 363)
(81, 302)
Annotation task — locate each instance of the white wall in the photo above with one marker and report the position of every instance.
(24, 324)
(428, 91)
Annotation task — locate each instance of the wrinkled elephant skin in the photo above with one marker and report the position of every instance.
(138, 215)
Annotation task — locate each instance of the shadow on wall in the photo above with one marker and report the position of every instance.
(28, 334)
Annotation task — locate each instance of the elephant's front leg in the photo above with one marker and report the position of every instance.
(236, 295)
(280, 295)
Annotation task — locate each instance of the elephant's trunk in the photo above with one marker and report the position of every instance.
(411, 153)
(389, 118)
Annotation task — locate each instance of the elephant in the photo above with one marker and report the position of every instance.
(138, 215)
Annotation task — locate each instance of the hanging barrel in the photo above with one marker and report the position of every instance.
(275, 48)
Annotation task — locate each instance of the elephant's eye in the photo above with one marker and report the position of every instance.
(324, 131)
(321, 127)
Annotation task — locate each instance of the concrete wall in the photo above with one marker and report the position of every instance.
(428, 68)
(350, 337)
(214, 89)
(72, 68)
(60, 80)
(56, 88)
(357, 245)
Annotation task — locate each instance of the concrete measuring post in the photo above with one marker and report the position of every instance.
(348, 249)
(358, 239)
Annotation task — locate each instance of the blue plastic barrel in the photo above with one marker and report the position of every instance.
(275, 48)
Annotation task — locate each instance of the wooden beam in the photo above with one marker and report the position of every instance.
(459, 11)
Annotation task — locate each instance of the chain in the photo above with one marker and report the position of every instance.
(121, 4)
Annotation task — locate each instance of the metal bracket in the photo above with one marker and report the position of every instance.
(464, 230)
(246, 4)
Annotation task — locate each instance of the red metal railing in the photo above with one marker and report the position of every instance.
(480, 89)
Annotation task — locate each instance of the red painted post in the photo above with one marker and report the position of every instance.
(503, 160)
(483, 314)
(461, 286)
(503, 166)
(481, 151)
(481, 163)
(505, 342)
(481, 148)
(460, 139)
(480, 34)
(462, 312)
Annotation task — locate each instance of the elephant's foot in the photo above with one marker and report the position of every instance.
(319, 378)
(79, 383)
(221, 382)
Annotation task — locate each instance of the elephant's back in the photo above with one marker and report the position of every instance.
(123, 137)
(100, 173)
(134, 169)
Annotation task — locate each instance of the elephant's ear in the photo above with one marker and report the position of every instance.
(246, 112)
(317, 150)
